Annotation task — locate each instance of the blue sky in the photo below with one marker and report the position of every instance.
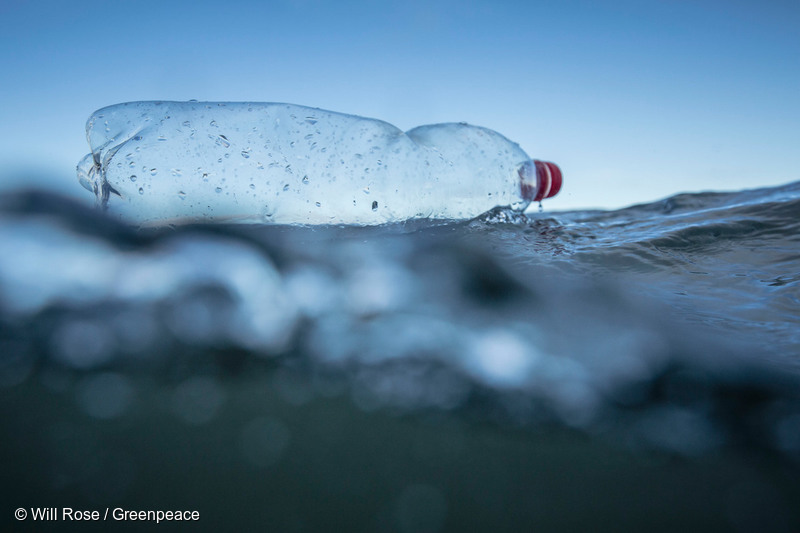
(635, 100)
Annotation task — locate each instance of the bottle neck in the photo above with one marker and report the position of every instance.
(539, 180)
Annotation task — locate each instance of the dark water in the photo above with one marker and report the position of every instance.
(631, 370)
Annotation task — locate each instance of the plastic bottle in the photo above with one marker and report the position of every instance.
(167, 162)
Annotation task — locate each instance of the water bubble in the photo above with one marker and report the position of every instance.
(502, 358)
(83, 344)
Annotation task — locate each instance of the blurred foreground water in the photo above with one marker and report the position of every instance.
(607, 371)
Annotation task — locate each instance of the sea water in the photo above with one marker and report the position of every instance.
(606, 370)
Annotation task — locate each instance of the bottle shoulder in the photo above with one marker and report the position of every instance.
(462, 139)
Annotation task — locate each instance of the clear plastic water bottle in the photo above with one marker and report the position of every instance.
(168, 162)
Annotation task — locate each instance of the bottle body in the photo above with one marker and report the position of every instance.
(165, 162)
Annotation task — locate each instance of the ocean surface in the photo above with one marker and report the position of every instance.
(629, 370)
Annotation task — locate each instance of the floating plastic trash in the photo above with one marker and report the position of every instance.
(166, 162)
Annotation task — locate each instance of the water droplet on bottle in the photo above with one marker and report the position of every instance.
(141, 191)
(540, 207)
(176, 172)
(132, 164)
(162, 138)
(375, 205)
(213, 123)
(153, 171)
(133, 177)
(305, 180)
(366, 190)
(246, 154)
(286, 187)
(181, 195)
(224, 141)
(186, 123)
(317, 204)
(218, 189)
(291, 144)
(252, 186)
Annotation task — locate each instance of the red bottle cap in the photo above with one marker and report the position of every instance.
(548, 180)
